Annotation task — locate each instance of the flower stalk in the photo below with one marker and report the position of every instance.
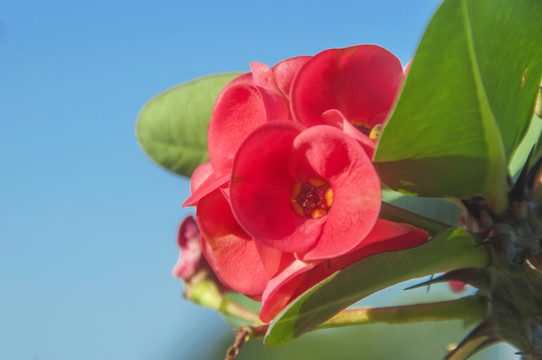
(472, 308)
(207, 294)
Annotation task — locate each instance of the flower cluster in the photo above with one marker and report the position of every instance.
(290, 194)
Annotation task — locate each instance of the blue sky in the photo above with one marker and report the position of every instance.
(87, 222)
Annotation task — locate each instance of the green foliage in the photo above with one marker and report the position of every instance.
(467, 101)
(453, 248)
(421, 341)
(172, 126)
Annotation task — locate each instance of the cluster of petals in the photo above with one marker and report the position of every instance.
(290, 194)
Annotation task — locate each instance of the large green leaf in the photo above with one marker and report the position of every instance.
(467, 101)
(453, 248)
(172, 126)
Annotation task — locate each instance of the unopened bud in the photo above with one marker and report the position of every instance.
(191, 258)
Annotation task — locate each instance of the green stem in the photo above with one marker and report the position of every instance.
(467, 308)
(229, 307)
(472, 308)
(206, 293)
(397, 214)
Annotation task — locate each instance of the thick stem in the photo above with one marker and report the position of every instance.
(207, 294)
(229, 307)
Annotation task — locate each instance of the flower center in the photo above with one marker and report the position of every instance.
(371, 132)
(363, 127)
(312, 198)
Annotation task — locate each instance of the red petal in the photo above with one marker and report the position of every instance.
(285, 72)
(200, 174)
(278, 78)
(360, 81)
(229, 250)
(241, 107)
(281, 290)
(273, 260)
(262, 75)
(385, 236)
(202, 182)
(295, 280)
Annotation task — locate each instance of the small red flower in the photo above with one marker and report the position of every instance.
(311, 191)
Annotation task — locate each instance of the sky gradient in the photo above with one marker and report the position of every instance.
(87, 221)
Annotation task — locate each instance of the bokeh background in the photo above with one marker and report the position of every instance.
(88, 222)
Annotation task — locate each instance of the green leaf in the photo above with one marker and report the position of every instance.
(467, 101)
(172, 126)
(453, 248)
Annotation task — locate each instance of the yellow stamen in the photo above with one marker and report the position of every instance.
(312, 198)
(296, 190)
(298, 209)
(375, 132)
(363, 127)
(316, 182)
(318, 213)
(329, 197)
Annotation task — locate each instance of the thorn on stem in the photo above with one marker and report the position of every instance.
(488, 242)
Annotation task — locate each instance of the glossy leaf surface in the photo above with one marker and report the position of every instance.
(467, 101)
(172, 126)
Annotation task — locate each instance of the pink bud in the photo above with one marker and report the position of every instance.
(190, 256)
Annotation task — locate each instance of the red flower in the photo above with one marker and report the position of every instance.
(311, 191)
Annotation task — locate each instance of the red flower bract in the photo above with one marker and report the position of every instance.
(231, 252)
(247, 102)
(360, 83)
(299, 276)
(310, 191)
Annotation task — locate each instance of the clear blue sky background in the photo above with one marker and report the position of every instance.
(87, 222)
